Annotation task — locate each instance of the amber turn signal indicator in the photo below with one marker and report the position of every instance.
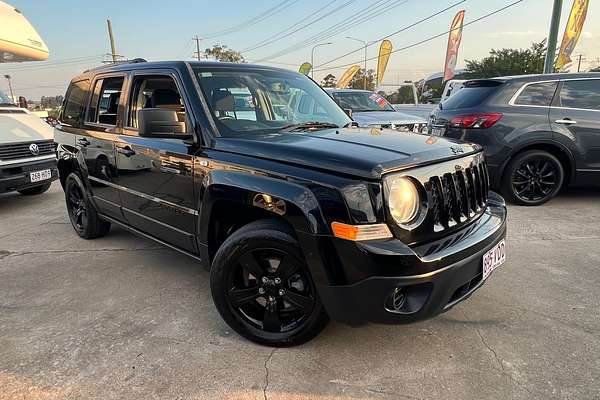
(360, 232)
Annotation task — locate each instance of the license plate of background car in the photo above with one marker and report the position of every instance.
(493, 258)
(437, 131)
(38, 176)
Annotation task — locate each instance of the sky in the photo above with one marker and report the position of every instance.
(76, 34)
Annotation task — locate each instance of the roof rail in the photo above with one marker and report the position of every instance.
(112, 64)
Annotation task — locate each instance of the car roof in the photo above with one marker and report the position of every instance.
(541, 77)
(140, 64)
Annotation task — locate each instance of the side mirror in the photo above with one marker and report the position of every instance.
(160, 123)
(348, 112)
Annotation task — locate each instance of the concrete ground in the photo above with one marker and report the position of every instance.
(123, 318)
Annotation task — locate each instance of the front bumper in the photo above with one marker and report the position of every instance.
(412, 284)
(15, 176)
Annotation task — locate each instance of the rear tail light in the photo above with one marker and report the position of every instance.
(476, 121)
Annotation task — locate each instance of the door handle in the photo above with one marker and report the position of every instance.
(126, 151)
(83, 142)
(170, 170)
(565, 121)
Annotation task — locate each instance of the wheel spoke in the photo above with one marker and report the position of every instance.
(286, 268)
(304, 303)
(251, 265)
(524, 175)
(271, 321)
(239, 297)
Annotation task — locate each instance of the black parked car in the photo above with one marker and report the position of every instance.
(300, 216)
(540, 132)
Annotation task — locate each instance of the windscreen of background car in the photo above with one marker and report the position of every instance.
(471, 95)
(245, 101)
(362, 101)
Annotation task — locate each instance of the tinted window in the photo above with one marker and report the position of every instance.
(105, 103)
(537, 94)
(473, 94)
(580, 94)
(75, 102)
(155, 92)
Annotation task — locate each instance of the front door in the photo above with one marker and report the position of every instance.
(576, 114)
(155, 174)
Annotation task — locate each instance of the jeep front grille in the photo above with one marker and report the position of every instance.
(15, 151)
(458, 196)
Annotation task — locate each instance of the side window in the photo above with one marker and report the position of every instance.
(156, 91)
(75, 102)
(583, 94)
(537, 94)
(105, 101)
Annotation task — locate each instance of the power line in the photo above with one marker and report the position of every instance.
(432, 37)
(254, 20)
(282, 34)
(396, 32)
(359, 17)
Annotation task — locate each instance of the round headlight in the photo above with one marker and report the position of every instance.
(404, 200)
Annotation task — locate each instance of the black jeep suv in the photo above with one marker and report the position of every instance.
(539, 132)
(262, 177)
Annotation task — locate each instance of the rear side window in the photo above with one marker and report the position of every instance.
(75, 102)
(537, 94)
(584, 94)
(105, 102)
(473, 94)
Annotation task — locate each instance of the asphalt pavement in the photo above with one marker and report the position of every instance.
(124, 318)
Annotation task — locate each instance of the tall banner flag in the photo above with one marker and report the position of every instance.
(572, 32)
(385, 49)
(347, 77)
(454, 38)
(305, 68)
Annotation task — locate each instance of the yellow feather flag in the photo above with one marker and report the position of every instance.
(305, 68)
(385, 49)
(454, 38)
(347, 77)
(572, 32)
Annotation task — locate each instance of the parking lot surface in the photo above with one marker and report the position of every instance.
(124, 318)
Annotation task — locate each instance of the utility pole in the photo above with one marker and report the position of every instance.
(112, 41)
(312, 58)
(366, 44)
(552, 37)
(12, 96)
(197, 39)
(579, 58)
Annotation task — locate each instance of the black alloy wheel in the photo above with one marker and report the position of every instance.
(262, 288)
(82, 214)
(533, 178)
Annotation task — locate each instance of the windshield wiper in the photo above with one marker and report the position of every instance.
(308, 126)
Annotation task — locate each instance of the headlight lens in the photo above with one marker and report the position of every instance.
(404, 201)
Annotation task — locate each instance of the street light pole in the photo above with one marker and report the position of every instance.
(365, 43)
(552, 37)
(312, 58)
(12, 96)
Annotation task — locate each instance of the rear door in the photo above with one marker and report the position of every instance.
(575, 116)
(96, 141)
(155, 174)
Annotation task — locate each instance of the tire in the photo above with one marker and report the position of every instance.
(532, 178)
(32, 191)
(82, 214)
(262, 288)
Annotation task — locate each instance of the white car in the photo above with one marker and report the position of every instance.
(27, 153)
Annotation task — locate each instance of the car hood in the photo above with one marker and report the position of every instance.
(363, 152)
(16, 125)
(385, 117)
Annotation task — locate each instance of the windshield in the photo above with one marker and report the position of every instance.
(473, 94)
(247, 100)
(362, 101)
(4, 99)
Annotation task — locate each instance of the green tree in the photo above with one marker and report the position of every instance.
(225, 54)
(404, 95)
(357, 81)
(509, 62)
(329, 81)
